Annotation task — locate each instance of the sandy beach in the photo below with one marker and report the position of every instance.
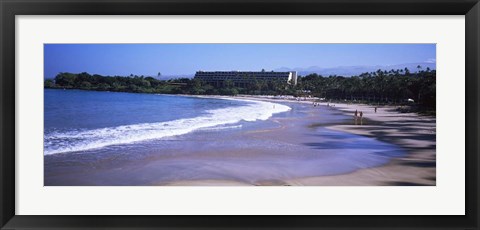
(412, 132)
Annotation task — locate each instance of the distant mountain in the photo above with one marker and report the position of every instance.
(356, 70)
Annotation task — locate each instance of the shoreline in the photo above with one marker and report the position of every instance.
(412, 132)
(330, 160)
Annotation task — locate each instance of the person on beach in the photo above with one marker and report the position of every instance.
(375, 109)
(361, 118)
(355, 115)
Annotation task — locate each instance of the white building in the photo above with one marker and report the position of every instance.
(243, 78)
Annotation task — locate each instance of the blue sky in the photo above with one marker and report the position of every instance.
(173, 59)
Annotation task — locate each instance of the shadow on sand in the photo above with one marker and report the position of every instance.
(400, 133)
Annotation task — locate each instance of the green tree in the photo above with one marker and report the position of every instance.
(49, 83)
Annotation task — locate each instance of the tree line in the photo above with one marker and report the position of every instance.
(386, 87)
(141, 84)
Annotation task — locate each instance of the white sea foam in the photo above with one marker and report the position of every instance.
(221, 127)
(72, 141)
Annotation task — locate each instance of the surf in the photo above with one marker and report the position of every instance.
(86, 139)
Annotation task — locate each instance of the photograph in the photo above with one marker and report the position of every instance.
(239, 114)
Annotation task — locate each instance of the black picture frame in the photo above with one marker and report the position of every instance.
(10, 8)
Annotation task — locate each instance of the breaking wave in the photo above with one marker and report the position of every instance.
(81, 140)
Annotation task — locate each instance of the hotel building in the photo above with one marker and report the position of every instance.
(244, 78)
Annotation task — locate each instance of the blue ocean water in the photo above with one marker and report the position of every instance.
(76, 120)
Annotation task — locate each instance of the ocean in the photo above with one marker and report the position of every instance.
(77, 120)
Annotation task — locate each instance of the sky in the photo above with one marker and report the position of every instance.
(183, 59)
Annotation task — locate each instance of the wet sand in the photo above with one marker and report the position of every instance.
(322, 152)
